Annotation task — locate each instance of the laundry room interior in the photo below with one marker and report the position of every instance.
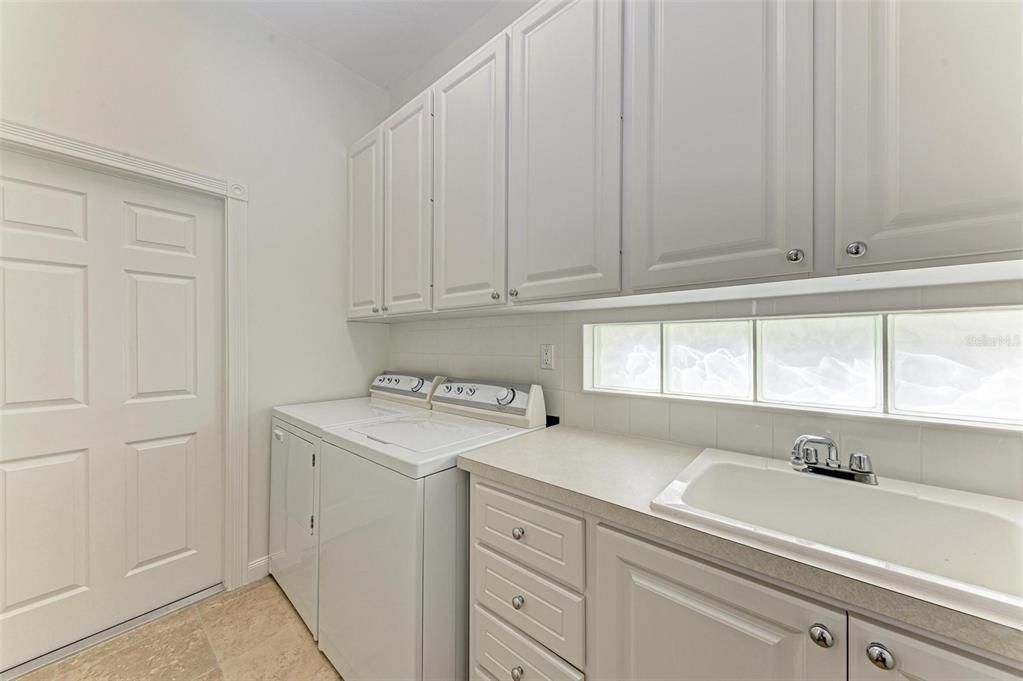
(511, 340)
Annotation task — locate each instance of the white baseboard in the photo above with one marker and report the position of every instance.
(258, 569)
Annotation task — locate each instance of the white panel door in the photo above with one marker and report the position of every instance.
(371, 568)
(661, 615)
(913, 659)
(928, 131)
(564, 153)
(366, 226)
(408, 233)
(111, 401)
(470, 175)
(294, 543)
(718, 140)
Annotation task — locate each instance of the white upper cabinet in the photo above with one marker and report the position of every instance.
(927, 131)
(877, 653)
(565, 150)
(365, 225)
(661, 615)
(718, 174)
(469, 176)
(408, 233)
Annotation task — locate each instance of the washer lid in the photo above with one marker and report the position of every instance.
(314, 416)
(430, 431)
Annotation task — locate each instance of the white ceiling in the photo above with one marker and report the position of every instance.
(381, 40)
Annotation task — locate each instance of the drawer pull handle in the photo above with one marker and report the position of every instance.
(518, 602)
(518, 533)
(856, 249)
(880, 656)
(821, 635)
(516, 673)
(278, 434)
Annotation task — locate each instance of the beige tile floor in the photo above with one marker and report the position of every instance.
(251, 634)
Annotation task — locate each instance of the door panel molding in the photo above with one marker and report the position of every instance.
(235, 194)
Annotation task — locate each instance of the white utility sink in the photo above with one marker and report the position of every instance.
(961, 550)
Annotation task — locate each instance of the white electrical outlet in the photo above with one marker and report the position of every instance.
(546, 356)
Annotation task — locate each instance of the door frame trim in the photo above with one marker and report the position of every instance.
(235, 195)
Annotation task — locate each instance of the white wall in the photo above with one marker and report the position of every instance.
(477, 35)
(507, 347)
(206, 88)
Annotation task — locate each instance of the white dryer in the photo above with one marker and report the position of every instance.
(296, 430)
(394, 531)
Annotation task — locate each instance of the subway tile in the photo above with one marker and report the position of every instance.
(573, 374)
(554, 401)
(894, 448)
(648, 418)
(746, 431)
(693, 423)
(611, 414)
(974, 461)
(578, 410)
(512, 340)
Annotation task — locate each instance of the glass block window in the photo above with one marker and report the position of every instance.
(953, 365)
(709, 359)
(821, 361)
(959, 364)
(627, 357)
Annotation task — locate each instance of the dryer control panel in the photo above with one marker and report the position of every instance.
(508, 398)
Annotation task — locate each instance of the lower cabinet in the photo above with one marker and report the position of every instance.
(631, 610)
(879, 653)
(661, 615)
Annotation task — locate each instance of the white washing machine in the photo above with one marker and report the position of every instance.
(394, 532)
(296, 430)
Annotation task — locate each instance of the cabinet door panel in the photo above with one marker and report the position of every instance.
(470, 174)
(408, 147)
(915, 660)
(660, 615)
(365, 225)
(928, 130)
(294, 545)
(718, 140)
(565, 150)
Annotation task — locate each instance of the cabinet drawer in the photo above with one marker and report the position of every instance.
(481, 674)
(554, 616)
(500, 649)
(537, 536)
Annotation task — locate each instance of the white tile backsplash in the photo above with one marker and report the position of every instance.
(508, 346)
(648, 418)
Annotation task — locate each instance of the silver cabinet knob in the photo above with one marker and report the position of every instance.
(518, 602)
(880, 656)
(516, 673)
(376, 309)
(856, 249)
(821, 635)
(795, 255)
(513, 292)
(518, 533)
(278, 434)
(495, 296)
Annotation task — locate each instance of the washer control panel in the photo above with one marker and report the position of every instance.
(410, 385)
(511, 398)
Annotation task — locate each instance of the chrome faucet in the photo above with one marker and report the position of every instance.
(806, 459)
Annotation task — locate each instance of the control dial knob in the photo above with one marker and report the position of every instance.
(417, 384)
(505, 396)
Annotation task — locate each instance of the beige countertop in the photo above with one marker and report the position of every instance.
(614, 478)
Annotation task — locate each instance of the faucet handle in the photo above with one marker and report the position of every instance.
(860, 463)
(810, 456)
